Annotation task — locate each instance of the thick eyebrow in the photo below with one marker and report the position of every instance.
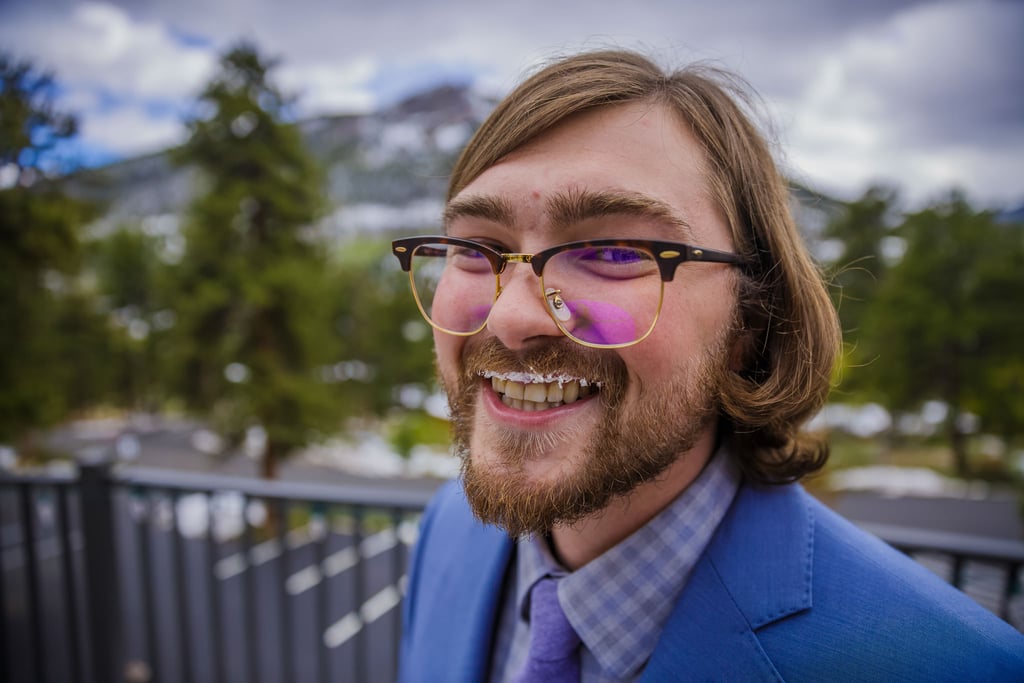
(569, 208)
(490, 208)
(577, 205)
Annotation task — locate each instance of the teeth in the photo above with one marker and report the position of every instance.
(515, 390)
(533, 396)
(538, 393)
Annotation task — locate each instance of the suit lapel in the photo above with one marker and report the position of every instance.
(756, 570)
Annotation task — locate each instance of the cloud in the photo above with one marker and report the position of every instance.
(945, 73)
(918, 92)
(325, 88)
(128, 81)
(130, 131)
(100, 46)
(928, 98)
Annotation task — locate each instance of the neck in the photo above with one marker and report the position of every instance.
(579, 543)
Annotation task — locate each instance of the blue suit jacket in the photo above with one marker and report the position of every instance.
(786, 590)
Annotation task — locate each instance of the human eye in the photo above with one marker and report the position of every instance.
(468, 258)
(620, 255)
(614, 261)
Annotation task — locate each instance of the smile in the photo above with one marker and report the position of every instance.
(531, 393)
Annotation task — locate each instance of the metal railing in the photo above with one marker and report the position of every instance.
(116, 574)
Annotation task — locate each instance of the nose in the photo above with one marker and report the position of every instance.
(519, 315)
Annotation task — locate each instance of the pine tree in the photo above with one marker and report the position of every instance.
(253, 324)
(39, 257)
(946, 321)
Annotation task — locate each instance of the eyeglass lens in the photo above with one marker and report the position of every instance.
(603, 295)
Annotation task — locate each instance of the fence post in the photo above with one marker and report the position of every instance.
(100, 568)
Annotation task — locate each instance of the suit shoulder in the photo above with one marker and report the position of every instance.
(881, 614)
(449, 529)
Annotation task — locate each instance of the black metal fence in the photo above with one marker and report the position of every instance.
(142, 575)
(136, 575)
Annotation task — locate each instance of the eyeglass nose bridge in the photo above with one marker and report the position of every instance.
(515, 258)
(552, 298)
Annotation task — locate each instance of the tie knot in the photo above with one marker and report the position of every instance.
(553, 642)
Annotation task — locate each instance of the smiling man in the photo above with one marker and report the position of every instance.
(631, 333)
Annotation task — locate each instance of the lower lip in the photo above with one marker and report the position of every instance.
(537, 419)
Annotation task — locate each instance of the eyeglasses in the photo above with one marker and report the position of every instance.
(603, 293)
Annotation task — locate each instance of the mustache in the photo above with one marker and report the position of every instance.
(554, 358)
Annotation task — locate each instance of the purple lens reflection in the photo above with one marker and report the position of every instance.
(477, 316)
(599, 322)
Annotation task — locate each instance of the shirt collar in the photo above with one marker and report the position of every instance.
(619, 601)
(535, 562)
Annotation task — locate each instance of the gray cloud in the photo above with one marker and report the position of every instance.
(926, 91)
(956, 79)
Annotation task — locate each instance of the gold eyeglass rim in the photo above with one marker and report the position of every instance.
(668, 255)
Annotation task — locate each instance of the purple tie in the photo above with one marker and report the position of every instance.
(553, 642)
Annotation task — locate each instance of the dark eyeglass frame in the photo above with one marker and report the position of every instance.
(668, 255)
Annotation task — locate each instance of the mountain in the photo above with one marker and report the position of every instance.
(1012, 215)
(387, 171)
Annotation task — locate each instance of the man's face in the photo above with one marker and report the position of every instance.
(625, 171)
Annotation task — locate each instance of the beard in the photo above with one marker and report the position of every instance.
(631, 444)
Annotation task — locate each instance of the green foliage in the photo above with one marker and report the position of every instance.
(257, 323)
(127, 267)
(30, 124)
(250, 293)
(862, 230)
(945, 323)
(416, 428)
(42, 312)
(129, 280)
(379, 327)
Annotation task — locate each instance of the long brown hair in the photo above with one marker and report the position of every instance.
(790, 334)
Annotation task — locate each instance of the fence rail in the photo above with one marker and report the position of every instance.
(116, 574)
(132, 574)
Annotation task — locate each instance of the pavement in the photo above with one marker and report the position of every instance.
(998, 516)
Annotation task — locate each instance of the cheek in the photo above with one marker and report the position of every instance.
(696, 316)
(683, 335)
(448, 349)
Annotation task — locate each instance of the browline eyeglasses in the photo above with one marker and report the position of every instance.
(604, 293)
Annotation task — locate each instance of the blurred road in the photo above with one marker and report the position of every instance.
(181, 444)
(997, 516)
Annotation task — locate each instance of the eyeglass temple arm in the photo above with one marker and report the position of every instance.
(673, 256)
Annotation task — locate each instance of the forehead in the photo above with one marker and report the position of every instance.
(636, 159)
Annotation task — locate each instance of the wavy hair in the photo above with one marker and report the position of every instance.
(789, 337)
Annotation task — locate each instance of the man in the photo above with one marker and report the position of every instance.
(630, 333)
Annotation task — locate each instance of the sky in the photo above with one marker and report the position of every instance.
(922, 95)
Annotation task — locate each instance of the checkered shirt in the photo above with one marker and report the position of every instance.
(618, 602)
